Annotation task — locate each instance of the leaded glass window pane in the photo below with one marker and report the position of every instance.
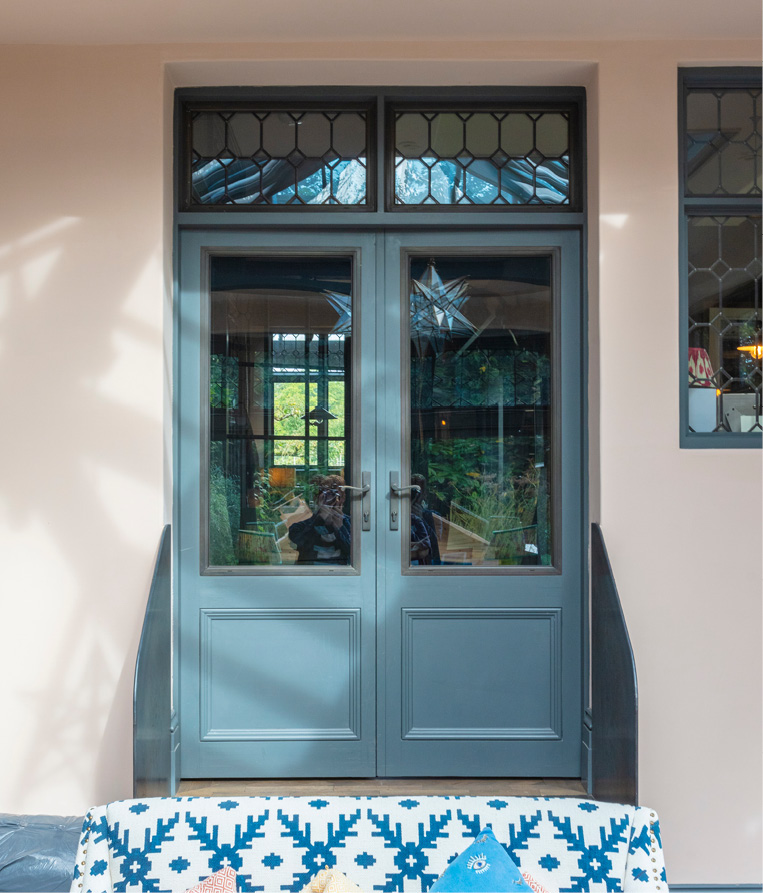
(723, 140)
(481, 157)
(724, 323)
(255, 157)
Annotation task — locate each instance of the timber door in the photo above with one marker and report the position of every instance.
(480, 580)
(379, 537)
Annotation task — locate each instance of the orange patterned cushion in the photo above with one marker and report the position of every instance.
(223, 881)
(531, 882)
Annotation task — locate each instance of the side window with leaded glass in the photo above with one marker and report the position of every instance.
(722, 347)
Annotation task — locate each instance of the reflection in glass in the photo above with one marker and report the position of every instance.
(278, 157)
(724, 324)
(481, 417)
(279, 410)
(723, 142)
(495, 157)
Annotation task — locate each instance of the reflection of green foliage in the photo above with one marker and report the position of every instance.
(288, 411)
(481, 377)
(220, 539)
(453, 468)
(463, 471)
(223, 382)
(224, 508)
(267, 497)
(512, 502)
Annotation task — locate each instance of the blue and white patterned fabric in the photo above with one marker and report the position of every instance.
(380, 843)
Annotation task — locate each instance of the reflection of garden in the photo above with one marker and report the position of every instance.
(259, 486)
(481, 439)
(277, 499)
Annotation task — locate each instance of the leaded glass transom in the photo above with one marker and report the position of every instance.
(486, 157)
(278, 157)
(723, 142)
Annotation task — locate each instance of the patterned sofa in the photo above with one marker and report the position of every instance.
(380, 843)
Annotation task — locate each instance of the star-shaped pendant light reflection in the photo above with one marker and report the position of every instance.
(343, 306)
(436, 310)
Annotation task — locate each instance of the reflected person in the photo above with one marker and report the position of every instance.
(426, 526)
(324, 538)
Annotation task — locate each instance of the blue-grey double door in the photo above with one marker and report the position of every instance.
(379, 483)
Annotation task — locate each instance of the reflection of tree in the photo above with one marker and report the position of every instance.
(223, 382)
(224, 509)
(289, 407)
(499, 384)
(460, 471)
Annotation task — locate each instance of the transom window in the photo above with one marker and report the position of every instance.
(242, 155)
(501, 156)
(514, 150)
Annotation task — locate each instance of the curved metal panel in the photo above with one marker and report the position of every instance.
(614, 686)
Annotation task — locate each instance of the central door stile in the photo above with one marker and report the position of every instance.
(385, 347)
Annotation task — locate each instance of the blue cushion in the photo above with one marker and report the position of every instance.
(483, 865)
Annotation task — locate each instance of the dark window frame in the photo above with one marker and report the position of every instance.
(692, 206)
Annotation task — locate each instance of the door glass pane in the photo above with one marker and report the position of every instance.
(279, 411)
(481, 416)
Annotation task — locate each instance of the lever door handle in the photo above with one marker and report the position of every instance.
(396, 492)
(365, 507)
(412, 488)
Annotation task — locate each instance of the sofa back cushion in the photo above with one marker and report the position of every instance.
(380, 843)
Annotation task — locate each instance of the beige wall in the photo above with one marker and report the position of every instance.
(84, 385)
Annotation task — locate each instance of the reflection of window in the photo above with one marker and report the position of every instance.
(721, 341)
(308, 401)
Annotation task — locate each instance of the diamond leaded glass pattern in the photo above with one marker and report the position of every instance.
(724, 274)
(278, 157)
(723, 142)
(483, 157)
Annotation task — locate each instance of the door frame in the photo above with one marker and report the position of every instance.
(382, 219)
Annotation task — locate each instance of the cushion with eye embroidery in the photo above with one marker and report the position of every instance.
(483, 866)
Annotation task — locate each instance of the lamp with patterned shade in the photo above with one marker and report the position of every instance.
(702, 396)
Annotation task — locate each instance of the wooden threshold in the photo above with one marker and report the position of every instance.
(353, 787)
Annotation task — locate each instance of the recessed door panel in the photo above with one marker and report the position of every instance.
(461, 678)
(300, 681)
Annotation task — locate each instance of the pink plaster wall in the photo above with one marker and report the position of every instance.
(85, 337)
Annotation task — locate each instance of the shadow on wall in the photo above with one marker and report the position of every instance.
(80, 493)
